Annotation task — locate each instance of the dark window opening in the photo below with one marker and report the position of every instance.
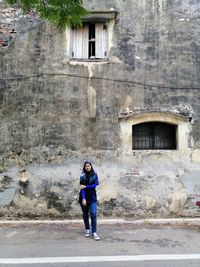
(92, 40)
(91, 30)
(91, 49)
(154, 135)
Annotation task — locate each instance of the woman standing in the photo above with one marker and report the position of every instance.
(88, 198)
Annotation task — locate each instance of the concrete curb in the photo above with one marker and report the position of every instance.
(158, 222)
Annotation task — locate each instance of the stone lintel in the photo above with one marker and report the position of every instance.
(100, 15)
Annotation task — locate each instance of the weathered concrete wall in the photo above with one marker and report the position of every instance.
(55, 113)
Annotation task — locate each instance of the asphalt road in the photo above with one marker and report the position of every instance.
(120, 245)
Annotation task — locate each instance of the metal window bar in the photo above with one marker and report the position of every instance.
(154, 135)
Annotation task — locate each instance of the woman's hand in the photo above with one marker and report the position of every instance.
(84, 203)
(82, 186)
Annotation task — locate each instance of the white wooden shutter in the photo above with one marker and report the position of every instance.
(101, 41)
(105, 40)
(75, 42)
(80, 42)
(85, 43)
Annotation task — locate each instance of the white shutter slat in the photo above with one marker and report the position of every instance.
(73, 43)
(99, 40)
(79, 43)
(85, 43)
(105, 42)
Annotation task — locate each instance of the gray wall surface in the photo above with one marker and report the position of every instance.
(56, 112)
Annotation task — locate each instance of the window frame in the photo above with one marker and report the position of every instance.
(106, 17)
(155, 132)
(80, 41)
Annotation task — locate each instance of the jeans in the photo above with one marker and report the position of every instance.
(92, 208)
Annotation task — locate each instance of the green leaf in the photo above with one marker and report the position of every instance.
(60, 12)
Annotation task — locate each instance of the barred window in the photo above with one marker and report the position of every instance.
(154, 135)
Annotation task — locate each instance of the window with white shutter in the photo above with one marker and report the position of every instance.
(90, 42)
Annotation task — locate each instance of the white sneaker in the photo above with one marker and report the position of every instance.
(87, 233)
(96, 237)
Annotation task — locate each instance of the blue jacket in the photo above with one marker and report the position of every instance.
(89, 193)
